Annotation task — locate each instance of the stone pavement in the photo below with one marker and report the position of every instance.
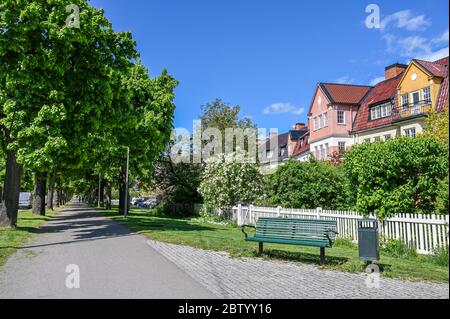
(247, 278)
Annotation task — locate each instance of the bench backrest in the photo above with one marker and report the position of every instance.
(295, 229)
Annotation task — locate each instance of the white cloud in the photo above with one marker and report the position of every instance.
(280, 108)
(345, 80)
(405, 19)
(377, 80)
(436, 55)
(418, 47)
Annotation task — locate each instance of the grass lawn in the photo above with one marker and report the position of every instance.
(27, 226)
(342, 257)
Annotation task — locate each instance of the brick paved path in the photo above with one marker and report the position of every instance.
(257, 278)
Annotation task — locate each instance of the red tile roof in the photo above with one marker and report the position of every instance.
(436, 68)
(345, 93)
(442, 102)
(382, 92)
(299, 148)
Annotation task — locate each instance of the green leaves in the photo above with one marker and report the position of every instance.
(309, 185)
(397, 176)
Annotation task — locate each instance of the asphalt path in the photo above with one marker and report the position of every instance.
(81, 254)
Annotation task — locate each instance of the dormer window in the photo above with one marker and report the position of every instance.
(380, 111)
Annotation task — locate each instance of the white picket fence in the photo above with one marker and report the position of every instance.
(424, 232)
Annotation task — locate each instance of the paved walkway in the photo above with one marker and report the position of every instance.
(113, 263)
(257, 278)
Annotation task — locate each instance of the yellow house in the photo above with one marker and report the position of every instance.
(399, 105)
(418, 92)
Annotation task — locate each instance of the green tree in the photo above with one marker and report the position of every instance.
(309, 185)
(229, 179)
(55, 85)
(397, 176)
(437, 125)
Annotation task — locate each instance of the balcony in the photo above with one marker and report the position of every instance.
(413, 109)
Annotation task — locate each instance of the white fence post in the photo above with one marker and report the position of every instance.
(318, 212)
(250, 213)
(240, 221)
(278, 211)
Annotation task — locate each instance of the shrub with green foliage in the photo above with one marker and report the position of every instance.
(310, 185)
(397, 176)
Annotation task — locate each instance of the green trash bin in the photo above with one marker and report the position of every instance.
(368, 240)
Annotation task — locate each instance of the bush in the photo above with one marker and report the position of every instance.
(310, 185)
(397, 248)
(229, 179)
(397, 176)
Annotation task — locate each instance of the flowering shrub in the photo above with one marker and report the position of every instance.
(229, 179)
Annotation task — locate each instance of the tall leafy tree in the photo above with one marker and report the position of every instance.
(56, 83)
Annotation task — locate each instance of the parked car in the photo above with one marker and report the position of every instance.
(25, 200)
(150, 203)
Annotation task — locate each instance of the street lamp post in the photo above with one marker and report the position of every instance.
(126, 183)
(99, 189)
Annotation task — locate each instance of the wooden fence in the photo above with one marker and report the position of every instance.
(423, 232)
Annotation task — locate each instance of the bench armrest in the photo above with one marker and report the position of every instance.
(243, 229)
(328, 236)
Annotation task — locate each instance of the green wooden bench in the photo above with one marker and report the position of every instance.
(292, 231)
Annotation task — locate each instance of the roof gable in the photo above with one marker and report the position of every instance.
(318, 91)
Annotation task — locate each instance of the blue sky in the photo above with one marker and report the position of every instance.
(268, 56)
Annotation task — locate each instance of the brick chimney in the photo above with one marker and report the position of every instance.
(393, 70)
(299, 126)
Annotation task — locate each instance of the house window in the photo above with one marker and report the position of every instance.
(325, 119)
(341, 146)
(410, 132)
(377, 139)
(387, 137)
(367, 140)
(320, 122)
(426, 95)
(341, 117)
(315, 124)
(326, 151)
(405, 100)
(380, 111)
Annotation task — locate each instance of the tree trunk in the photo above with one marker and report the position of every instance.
(59, 196)
(9, 205)
(40, 185)
(102, 193)
(51, 190)
(108, 195)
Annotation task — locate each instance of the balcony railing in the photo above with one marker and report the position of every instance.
(420, 107)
